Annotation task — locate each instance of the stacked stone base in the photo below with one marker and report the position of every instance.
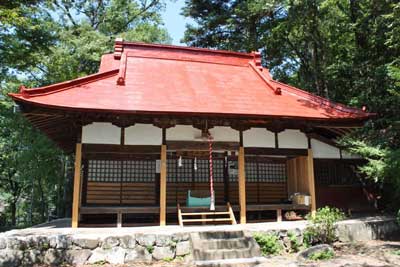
(66, 249)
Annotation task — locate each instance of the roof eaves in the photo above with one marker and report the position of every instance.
(64, 85)
(323, 101)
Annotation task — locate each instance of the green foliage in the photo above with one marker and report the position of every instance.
(295, 245)
(398, 217)
(269, 243)
(321, 228)
(348, 51)
(44, 42)
(396, 252)
(150, 249)
(168, 259)
(100, 262)
(322, 255)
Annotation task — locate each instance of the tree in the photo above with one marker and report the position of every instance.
(44, 42)
(345, 50)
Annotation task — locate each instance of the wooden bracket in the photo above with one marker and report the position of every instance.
(164, 123)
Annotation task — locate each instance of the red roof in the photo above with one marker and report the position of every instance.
(153, 78)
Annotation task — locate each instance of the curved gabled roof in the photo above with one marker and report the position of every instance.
(151, 78)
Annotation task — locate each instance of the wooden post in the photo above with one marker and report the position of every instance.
(311, 181)
(77, 185)
(119, 219)
(279, 215)
(292, 177)
(163, 181)
(242, 182)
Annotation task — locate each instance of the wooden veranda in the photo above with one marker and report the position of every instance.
(146, 180)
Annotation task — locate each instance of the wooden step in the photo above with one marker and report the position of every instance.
(205, 213)
(208, 220)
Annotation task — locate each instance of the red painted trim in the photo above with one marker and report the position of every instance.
(320, 100)
(63, 85)
(18, 97)
(132, 54)
(122, 70)
(265, 79)
(187, 48)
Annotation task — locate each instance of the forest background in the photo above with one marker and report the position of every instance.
(344, 50)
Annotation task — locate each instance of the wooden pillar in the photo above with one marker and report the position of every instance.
(163, 180)
(311, 181)
(292, 177)
(77, 186)
(242, 182)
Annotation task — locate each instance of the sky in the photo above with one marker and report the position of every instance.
(174, 21)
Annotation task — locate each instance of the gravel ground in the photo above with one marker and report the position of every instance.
(365, 254)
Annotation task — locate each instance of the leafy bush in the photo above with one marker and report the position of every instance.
(398, 217)
(396, 252)
(322, 255)
(322, 228)
(150, 249)
(168, 259)
(268, 243)
(294, 242)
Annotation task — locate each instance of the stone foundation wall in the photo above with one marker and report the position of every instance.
(25, 250)
(58, 249)
(381, 227)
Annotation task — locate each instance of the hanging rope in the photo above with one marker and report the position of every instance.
(212, 203)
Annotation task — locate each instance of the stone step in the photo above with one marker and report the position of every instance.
(233, 243)
(219, 254)
(241, 262)
(221, 235)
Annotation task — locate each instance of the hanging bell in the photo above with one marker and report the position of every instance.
(180, 161)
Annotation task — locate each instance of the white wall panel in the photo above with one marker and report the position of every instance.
(226, 134)
(101, 133)
(324, 151)
(347, 155)
(258, 137)
(189, 133)
(183, 133)
(143, 134)
(292, 139)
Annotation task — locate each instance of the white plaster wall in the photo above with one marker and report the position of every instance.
(182, 133)
(101, 133)
(292, 139)
(324, 151)
(143, 134)
(189, 133)
(226, 134)
(258, 137)
(347, 155)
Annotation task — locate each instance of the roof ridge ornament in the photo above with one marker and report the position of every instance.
(23, 91)
(257, 59)
(118, 48)
(265, 77)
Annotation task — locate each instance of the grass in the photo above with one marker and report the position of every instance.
(322, 255)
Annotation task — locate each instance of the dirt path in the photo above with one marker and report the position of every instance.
(365, 254)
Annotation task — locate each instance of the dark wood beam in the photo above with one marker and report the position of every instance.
(275, 151)
(201, 145)
(126, 149)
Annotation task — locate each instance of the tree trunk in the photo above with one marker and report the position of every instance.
(13, 207)
(42, 200)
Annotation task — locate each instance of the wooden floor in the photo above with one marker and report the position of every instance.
(173, 209)
(148, 215)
